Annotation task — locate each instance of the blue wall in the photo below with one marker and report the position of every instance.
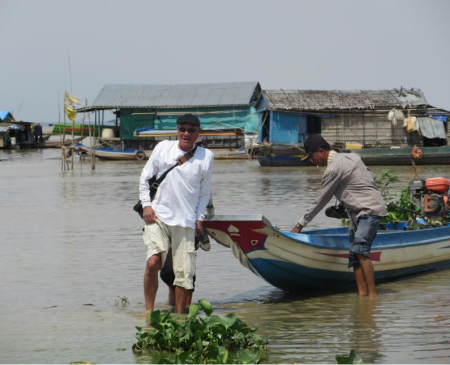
(286, 128)
(244, 117)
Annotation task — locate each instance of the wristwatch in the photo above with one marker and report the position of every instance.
(298, 225)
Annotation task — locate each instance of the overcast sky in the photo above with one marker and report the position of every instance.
(321, 44)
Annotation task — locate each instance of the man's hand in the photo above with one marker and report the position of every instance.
(149, 215)
(297, 228)
(198, 228)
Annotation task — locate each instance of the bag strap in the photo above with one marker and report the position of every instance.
(186, 157)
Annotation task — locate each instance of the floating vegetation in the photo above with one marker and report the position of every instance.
(400, 209)
(196, 340)
(352, 358)
(122, 301)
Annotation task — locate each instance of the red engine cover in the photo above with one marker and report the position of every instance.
(437, 184)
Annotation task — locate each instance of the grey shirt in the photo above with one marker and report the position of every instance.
(352, 183)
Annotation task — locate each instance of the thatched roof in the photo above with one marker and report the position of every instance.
(327, 100)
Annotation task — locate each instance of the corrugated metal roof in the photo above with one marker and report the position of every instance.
(176, 96)
(343, 100)
(4, 114)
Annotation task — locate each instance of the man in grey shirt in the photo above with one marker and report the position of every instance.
(352, 183)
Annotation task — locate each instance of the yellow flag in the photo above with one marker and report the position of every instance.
(71, 113)
(71, 99)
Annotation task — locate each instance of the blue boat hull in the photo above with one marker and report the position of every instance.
(318, 259)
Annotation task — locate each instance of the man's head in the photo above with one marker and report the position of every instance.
(188, 129)
(317, 150)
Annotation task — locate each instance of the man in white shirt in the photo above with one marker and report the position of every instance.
(174, 217)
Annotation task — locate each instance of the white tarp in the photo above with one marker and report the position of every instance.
(432, 128)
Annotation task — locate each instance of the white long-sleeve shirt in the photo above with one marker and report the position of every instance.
(182, 197)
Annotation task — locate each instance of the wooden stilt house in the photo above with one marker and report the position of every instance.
(361, 119)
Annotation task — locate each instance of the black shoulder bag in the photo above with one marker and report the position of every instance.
(154, 183)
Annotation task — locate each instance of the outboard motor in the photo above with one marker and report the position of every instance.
(431, 195)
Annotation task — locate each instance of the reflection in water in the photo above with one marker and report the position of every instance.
(71, 238)
(365, 335)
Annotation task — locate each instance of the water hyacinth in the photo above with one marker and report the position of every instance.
(196, 340)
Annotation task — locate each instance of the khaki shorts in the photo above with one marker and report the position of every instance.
(159, 237)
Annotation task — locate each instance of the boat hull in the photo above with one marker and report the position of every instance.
(372, 157)
(107, 153)
(266, 161)
(402, 156)
(318, 259)
(119, 154)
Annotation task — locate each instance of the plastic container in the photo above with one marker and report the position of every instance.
(13, 141)
(437, 184)
(108, 133)
(353, 146)
(421, 221)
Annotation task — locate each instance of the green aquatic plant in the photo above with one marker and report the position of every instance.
(196, 340)
(352, 358)
(400, 207)
(385, 181)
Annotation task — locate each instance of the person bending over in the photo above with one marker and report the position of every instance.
(352, 183)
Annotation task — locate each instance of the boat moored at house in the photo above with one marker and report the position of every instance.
(381, 125)
(114, 149)
(225, 108)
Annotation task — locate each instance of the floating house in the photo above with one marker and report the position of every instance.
(218, 106)
(357, 120)
(13, 132)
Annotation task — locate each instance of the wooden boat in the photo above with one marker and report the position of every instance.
(78, 129)
(223, 142)
(281, 155)
(231, 154)
(402, 156)
(370, 156)
(49, 142)
(112, 148)
(318, 258)
(110, 153)
(211, 132)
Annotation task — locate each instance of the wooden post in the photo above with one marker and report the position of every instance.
(92, 143)
(63, 150)
(73, 141)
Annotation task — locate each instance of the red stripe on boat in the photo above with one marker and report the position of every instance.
(374, 256)
(242, 233)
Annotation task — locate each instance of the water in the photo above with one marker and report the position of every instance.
(71, 245)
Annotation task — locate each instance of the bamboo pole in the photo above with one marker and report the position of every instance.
(73, 141)
(82, 135)
(92, 143)
(63, 149)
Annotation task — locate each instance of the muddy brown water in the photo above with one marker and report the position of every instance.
(71, 245)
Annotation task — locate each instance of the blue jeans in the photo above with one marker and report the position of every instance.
(361, 240)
